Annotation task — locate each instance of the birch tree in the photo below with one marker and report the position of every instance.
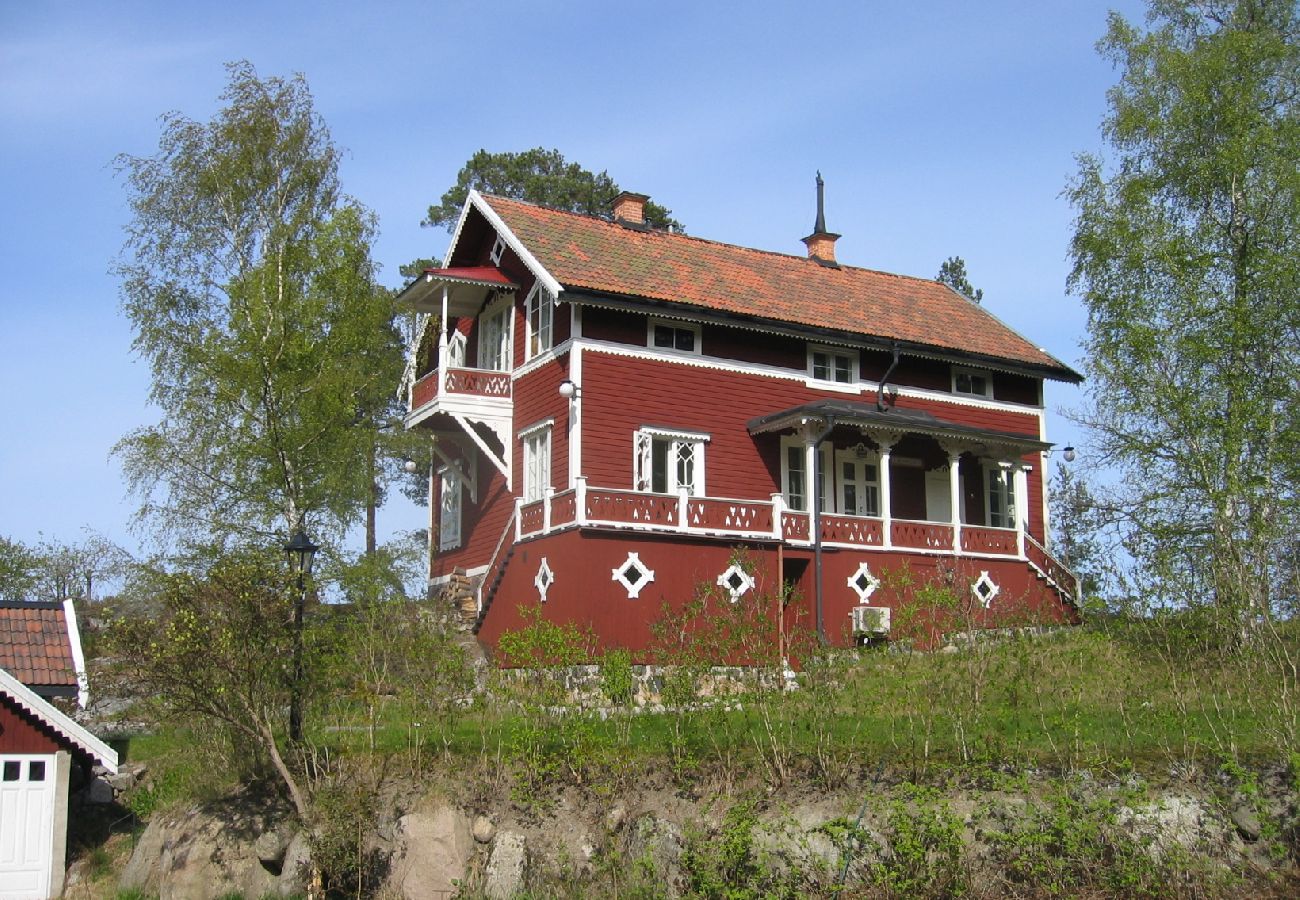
(1187, 256)
(248, 280)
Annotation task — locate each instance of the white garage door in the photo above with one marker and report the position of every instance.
(26, 826)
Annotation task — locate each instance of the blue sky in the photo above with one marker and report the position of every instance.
(941, 128)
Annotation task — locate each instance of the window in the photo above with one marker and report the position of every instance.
(449, 498)
(537, 461)
(1002, 498)
(838, 366)
(667, 461)
(681, 336)
(859, 493)
(794, 474)
(541, 313)
(972, 382)
(498, 248)
(494, 336)
(456, 350)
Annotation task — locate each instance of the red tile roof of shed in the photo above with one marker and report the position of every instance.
(34, 644)
(587, 252)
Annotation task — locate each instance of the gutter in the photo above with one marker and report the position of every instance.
(817, 525)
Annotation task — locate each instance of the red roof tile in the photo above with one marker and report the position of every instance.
(587, 252)
(34, 644)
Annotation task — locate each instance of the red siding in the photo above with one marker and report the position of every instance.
(537, 398)
(21, 733)
(585, 593)
(481, 524)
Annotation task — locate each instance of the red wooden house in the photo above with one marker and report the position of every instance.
(615, 409)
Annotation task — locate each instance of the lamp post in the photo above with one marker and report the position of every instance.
(301, 553)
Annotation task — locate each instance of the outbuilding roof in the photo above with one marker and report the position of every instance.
(68, 731)
(39, 645)
(589, 253)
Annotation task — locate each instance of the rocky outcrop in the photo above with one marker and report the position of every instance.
(432, 849)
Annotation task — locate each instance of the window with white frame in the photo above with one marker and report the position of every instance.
(1001, 497)
(683, 336)
(794, 474)
(494, 336)
(833, 364)
(537, 460)
(540, 317)
(668, 461)
(498, 249)
(456, 350)
(449, 508)
(859, 481)
(972, 382)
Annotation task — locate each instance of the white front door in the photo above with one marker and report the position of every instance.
(27, 791)
(859, 484)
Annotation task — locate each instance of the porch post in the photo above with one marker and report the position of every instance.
(778, 509)
(442, 344)
(547, 494)
(683, 508)
(580, 499)
(519, 527)
(954, 497)
(886, 512)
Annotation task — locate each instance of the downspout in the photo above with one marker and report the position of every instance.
(817, 525)
(884, 379)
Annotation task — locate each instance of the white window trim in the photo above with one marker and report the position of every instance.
(498, 248)
(1007, 488)
(986, 374)
(648, 434)
(693, 327)
(849, 454)
(854, 359)
(829, 503)
(526, 436)
(505, 303)
(538, 295)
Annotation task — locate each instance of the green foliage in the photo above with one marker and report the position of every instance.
(18, 571)
(1185, 256)
(539, 176)
(925, 848)
(616, 678)
(953, 274)
(248, 282)
(726, 864)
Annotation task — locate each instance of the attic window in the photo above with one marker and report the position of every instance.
(680, 336)
(829, 364)
(972, 382)
(498, 249)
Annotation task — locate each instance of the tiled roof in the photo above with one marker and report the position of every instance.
(35, 646)
(587, 252)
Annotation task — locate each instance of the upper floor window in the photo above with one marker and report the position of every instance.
(668, 461)
(682, 336)
(540, 316)
(494, 336)
(498, 248)
(449, 511)
(830, 364)
(972, 382)
(456, 350)
(537, 460)
(795, 460)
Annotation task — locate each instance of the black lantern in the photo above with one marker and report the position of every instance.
(301, 553)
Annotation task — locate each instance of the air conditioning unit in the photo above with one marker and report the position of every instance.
(870, 620)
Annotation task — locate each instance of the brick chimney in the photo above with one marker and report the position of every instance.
(821, 243)
(629, 209)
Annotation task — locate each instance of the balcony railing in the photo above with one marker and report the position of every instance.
(458, 382)
(762, 520)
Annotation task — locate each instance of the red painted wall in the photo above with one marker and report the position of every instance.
(584, 592)
(21, 733)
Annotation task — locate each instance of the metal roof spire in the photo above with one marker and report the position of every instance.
(820, 226)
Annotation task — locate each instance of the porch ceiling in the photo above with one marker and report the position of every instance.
(893, 419)
(467, 288)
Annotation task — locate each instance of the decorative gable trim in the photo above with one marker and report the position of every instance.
(67, 729)
(539, 272)
(78, 658)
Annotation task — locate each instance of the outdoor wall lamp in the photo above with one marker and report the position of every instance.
(569, 390)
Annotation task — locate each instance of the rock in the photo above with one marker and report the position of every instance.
(616, 816)
(660, 842)
(271, 845)
(504, 877)
(295, 869)
(127, 777)
(99, 791)
(1174, 821)
(203, 852)
(431, 852)
(1246, 820)
(484, 830)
